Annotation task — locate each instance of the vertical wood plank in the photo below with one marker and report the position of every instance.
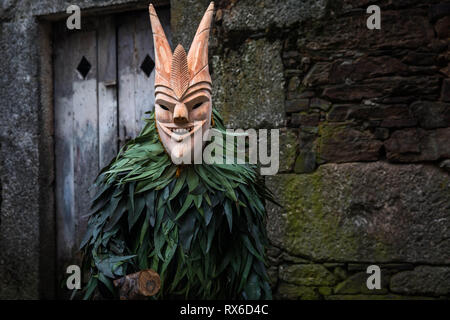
(126, 68)
(144, 94)
(64, 189)
(136, 89)
(85, 129)
(107, 91)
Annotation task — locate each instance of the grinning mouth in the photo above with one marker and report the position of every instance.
(180, 133)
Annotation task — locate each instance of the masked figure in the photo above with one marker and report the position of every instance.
(182, 91)
(200, 227)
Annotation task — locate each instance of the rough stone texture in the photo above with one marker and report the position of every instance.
(259, 15)
(307, 275)
(423, 280)
(293, 292)
(19, 228)
(339, 143)
(363, 212)
(369, 99)
(356, 284)
(431, 114)
(184, 19)
(415, 144)
(288, 148)
(248, 85)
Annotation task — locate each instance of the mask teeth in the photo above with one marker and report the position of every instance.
(181, 130)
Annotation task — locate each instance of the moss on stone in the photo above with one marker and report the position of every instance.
(294, 292)
(248, 85)
(288, 149)
(325, 291)
(305, 162)
(356, 284)
(307, 275)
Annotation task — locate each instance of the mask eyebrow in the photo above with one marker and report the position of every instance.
(165, 99)
(194, 99)
(197, 87)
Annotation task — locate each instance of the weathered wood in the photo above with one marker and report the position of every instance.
(85, 128)
(126, 64)
(87, 111)
(64, 183)
(144, 94)
(139, 285)
(136, 94)
(107, 91)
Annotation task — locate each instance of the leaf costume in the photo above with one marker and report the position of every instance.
(201, 227)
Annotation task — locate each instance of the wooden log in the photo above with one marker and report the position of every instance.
(139, 285)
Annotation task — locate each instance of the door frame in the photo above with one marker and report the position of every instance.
(48, 286)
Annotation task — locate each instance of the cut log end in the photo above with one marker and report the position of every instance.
(135, 286)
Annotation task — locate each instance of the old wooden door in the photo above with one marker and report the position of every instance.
(103, 85)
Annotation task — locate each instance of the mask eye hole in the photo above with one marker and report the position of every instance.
(163, 107)
(197, 105)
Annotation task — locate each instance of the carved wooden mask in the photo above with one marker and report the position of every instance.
(183, 104)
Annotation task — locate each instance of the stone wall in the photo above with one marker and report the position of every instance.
(365, 139)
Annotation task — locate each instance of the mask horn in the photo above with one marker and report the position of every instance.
(163, 53)
(198, 52)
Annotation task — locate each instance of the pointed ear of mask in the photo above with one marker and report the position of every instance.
(163, 53)
(198, 52)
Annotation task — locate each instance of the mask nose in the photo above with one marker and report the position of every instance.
(180, 113)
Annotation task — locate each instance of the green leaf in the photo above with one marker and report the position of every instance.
(92, 284)
(107, 282)
(198, 200)
(187, 230)
(246, 271)
(131, 196)
(150, 203)
(250, 247)
(88, 234)
(133, 216)
(192, 179)
(107, 265)
(178, 185)
(144, 230)
(252, 289)
(229, 214)
(187, 203)
(121, 208)
(210, 236)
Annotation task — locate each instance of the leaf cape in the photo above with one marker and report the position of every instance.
(201, 227)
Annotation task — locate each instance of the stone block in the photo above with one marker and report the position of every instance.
(431, 114)
(373, 212)
(415, 144)
(288, 149)
(248, 85)
(356, 284)
(288, 291)
(339, 143)
(305, 162)
(423, 280)
(261, 14)
(297, 105)
(307, 275)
